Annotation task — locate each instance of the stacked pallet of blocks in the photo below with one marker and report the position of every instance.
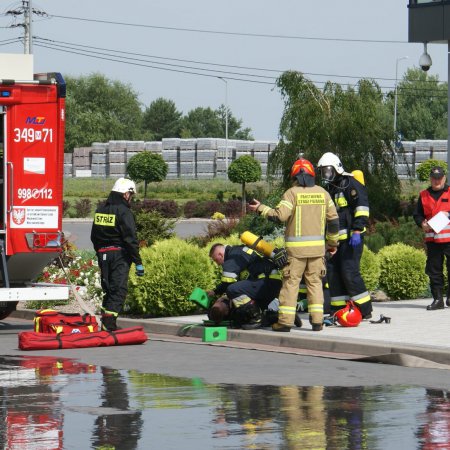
(207, 158)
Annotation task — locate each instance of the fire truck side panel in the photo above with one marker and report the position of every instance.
(33, 168)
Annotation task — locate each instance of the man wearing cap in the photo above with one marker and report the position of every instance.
(431, 201)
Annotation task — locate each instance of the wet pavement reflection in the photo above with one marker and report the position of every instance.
(56, 403)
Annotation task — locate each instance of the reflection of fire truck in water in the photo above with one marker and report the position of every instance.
(32, 118)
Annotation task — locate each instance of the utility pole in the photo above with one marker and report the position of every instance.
(27, 11)
(28, 19)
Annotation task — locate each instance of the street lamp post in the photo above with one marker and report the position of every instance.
(226, 121)
(395, 94)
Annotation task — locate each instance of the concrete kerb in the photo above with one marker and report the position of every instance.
(355, 347)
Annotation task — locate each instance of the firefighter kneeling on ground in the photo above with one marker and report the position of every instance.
(114, 238)
(249, 281)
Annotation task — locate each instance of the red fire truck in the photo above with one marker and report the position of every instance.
(32, 118)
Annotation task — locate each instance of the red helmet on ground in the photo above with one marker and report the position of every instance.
(304, 164)
(350, 316)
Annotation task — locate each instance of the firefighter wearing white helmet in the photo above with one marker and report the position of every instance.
(114, 238)
(352, 204)
(123, 185)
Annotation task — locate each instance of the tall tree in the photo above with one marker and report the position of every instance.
(421, 106)
(162, 119)
(235, 130)
(99, 110)
(206, 122)
(354, 123)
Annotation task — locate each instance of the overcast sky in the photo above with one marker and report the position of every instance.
(333, 40)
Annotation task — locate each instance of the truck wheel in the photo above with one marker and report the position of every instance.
(6, 308)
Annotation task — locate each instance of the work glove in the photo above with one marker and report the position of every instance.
(280, 259)
(355, 240)
(139, 270)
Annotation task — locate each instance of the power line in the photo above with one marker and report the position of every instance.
(150, 66)
(228, 33)
(279, 71)
(167, 66)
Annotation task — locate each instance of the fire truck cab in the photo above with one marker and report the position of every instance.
(32, 118)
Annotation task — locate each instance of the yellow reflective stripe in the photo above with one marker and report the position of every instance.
(315, 307)
(361, 298)
(342, 202)
(112, 313)
(247, 250)
(288, 205)
(330, 203)
(322, 219)
(275, 276)
(305, 243)
(108, 220)
(287, 310)
(332, 237)
(228, 280)
(240, 301)
(298, 221)
(265, 211)
(261, 275)
(338, 302)
(361, 213)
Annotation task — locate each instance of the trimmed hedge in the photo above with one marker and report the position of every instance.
(173, 268)
(402, 271)
(370, 269)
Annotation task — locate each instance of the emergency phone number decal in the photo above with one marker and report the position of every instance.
(27, 193)
(32, 135)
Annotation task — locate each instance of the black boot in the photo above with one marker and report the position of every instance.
(109, 323)
(438, 300)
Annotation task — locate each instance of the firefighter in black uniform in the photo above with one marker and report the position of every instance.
(352, 204)
(113, 235)
(250, 282)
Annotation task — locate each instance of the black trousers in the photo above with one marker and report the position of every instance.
(114, 268)
(346, 282)
(435, 264)
(263, 290)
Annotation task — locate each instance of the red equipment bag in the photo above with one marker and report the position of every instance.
(55, 322)
(30, 340)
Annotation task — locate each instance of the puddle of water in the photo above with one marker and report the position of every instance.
(56, 403)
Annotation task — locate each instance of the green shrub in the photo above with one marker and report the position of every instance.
(404, 230)
(173, 268)
(402, 271)
(151, 226)
(370, 269)
(375, 242)
(424, 168)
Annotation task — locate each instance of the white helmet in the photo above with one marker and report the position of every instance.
(123, 185)
(327, 163)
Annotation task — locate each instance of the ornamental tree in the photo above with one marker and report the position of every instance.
(244, 169)
(147, 167)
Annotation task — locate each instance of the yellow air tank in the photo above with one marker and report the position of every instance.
(359, 176)
(263, 247)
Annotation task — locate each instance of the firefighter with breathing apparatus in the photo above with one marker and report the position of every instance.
(311, 229)
(352, 204)
(249, 282)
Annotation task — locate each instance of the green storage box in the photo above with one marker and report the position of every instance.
(214, 334)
